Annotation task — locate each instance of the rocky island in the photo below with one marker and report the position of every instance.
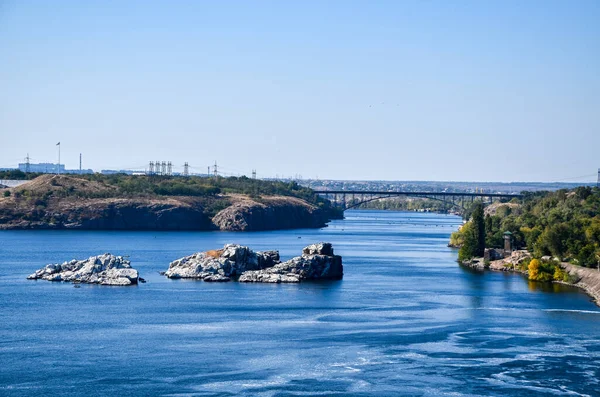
(236, 262)
(103, 269)
(141, 202)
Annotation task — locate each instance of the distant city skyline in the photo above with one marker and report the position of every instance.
(347, 90)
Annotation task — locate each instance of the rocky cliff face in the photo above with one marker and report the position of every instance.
(51, 202)
(104, 269)
(110, 214)
(239, 262)
(272, 214)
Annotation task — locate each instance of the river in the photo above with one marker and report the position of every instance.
(405, 320)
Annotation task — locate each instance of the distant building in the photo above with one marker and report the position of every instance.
(46, 168)
(88, 171)
(508, 248)
(112, 172)
(50, 168)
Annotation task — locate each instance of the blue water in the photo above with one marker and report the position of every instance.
(405, 320)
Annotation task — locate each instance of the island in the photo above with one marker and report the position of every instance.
(237, 262)
(150, 202)
(103, 269)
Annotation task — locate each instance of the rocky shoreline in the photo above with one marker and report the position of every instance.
(585, 278)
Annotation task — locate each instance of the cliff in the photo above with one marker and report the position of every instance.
(67, 202)
(270, 213)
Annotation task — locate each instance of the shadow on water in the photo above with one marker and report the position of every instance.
(551, 287)
(476, 285)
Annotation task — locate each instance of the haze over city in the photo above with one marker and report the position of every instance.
(430, 90)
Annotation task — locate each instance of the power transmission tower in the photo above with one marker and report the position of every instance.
(253, 174)
(151, 168)
(598, 183)
(27, 168)
(163, 166)
(169, 168)
(79, 163)
(157, 168)
(216, 171)
(186, 169)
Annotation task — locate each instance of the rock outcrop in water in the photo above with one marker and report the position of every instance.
(317, 262)
(221, 265)
(239, 262)
(103, 269)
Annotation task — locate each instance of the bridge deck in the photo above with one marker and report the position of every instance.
(382, 193)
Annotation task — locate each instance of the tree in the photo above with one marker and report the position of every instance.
(469, 245)
(489, 226)
(474, 235)
(554, 238)
(479, 229)
(534, 269)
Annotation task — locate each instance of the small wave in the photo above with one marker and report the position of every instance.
(572, 311)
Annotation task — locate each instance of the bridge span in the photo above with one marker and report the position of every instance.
(348, 199)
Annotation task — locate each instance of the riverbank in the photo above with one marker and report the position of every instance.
(145, 203)
(584, 278)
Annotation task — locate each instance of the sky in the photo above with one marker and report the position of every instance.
(372, 90)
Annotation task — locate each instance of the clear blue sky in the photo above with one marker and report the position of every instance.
(399, 90)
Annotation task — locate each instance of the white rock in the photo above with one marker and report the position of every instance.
(221, 265)
(103, 269)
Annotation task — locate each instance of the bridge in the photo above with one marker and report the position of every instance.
(348, 199)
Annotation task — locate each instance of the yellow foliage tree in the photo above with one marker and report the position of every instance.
(559, 274)
(534, 269)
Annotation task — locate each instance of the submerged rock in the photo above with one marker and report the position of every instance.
(317, 262)
(221, 265)
(103, 269)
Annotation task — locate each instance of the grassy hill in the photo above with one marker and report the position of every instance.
(50, 200)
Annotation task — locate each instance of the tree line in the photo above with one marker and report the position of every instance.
(564, 224)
